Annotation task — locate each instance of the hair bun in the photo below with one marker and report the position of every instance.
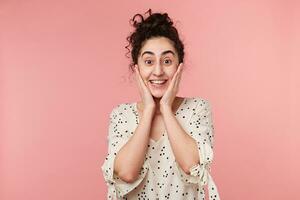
(153, 21)
(157, 20)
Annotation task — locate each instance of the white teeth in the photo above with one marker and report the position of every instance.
(157, 82)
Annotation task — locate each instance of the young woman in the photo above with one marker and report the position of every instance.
(162, 146)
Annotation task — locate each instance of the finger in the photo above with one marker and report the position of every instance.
(179, 69)
(178, 76)
(175, 77)
(141, 81)
(172, 83)
(137, 77)
(179, 79)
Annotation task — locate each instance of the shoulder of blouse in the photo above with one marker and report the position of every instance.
(199, 100)
(122, 109)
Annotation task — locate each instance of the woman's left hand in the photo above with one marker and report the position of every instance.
(170, 94)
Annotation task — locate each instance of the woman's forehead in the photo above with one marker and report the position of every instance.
(158, 45)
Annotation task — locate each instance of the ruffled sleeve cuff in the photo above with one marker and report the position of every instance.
(199, 174)
(118, 188)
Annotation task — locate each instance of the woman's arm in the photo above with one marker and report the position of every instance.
(183, 145)
(130, 158)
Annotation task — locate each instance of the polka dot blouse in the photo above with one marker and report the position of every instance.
(161, 177)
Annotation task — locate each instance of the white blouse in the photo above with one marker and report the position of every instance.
(161, 177)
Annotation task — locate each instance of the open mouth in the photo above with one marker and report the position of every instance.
(158, 83)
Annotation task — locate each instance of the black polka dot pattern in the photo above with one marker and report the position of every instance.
(119, 133)
(161, 177)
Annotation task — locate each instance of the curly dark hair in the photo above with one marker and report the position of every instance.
(155, 25)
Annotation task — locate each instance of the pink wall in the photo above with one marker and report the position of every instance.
(63, 68)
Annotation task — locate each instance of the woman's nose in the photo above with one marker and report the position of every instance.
(158, 70)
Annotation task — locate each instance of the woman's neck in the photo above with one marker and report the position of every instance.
(175, 105)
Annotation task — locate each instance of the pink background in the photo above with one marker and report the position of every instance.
(63, 69)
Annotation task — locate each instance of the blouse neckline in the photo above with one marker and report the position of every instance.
(165, 131)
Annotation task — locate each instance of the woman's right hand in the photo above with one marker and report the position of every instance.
(144, 91)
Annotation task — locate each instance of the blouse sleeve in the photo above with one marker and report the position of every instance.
(117, 138)
(201, 129)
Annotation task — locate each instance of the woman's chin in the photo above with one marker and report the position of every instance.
(157, 94)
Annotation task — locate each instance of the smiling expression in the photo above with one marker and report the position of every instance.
(158, 62)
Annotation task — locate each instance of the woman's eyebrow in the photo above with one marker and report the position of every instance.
(163, 53)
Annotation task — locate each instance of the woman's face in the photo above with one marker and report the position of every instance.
(158, 60)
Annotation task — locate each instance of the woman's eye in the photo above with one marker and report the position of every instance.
(168, 61)
(148, 61)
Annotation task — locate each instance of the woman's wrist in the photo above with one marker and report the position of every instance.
(149, 111)
(165, 108)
